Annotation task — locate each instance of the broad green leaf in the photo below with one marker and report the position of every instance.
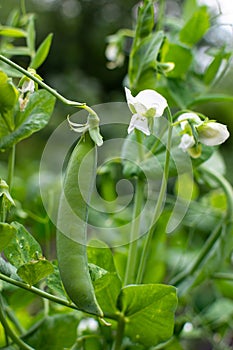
(145, 20)
(42, 52)
(100, 254)
(96, 272)
(35, 270)
(23, 248)
(143, 57)
(196, 27)
(7, 232)
(35, 117)
(149, 310)
(180, 55)
(12, 32)
(8, 94)
(54, 282)
(55, 332)
(107, 287)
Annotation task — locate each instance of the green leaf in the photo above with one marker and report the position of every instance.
(145, 20)
(54, 332)
(42, 52)
(7, 232)
(213, 69)
(8, 93)
(54, 282)
(107, 289)
(23, 248)
(12, 32)
(108, 285)
(149, 310)
(33, 271)
(100, 254)
(180, 55)
(196, 27)
(143, 58)
(35, 117)
(209, 98)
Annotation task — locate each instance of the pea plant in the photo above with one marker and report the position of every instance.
(138, 209)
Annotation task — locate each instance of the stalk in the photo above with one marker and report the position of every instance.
(159, 203)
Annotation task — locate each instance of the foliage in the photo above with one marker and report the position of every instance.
(161, 278)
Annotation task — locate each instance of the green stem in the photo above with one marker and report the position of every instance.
(45, 86)
(134, 234)
(119, 334)
(162, 5)
(159, 203)
(23, 7)
(45, 295)
(9, 331)
(135, 225)
(223, 276)
(11, 167)
(14, 319)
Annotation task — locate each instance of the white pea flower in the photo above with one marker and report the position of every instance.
(204, 132)
(28, 86)
(187, 141)
(212, 134)
(147, 104)
(186, 117)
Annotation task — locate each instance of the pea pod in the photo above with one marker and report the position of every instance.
(72, 226)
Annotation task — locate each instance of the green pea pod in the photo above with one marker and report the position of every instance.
(72, 226)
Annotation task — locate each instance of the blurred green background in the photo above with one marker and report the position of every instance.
(76, 65)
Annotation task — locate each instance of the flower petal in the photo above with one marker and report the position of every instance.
(130, 100)
(187, 142)
(192, 116)
(140, 123)
(152, 99)
(212, 134)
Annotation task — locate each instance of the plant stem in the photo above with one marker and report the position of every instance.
(9, 331)
(134, 235)
(159, 203)
(45, 295)
(223, 276)
(135, 224)
(161, 14)
(11, 167)
(119, 334)
(45, 86)
(37, 291)
(23, 7)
